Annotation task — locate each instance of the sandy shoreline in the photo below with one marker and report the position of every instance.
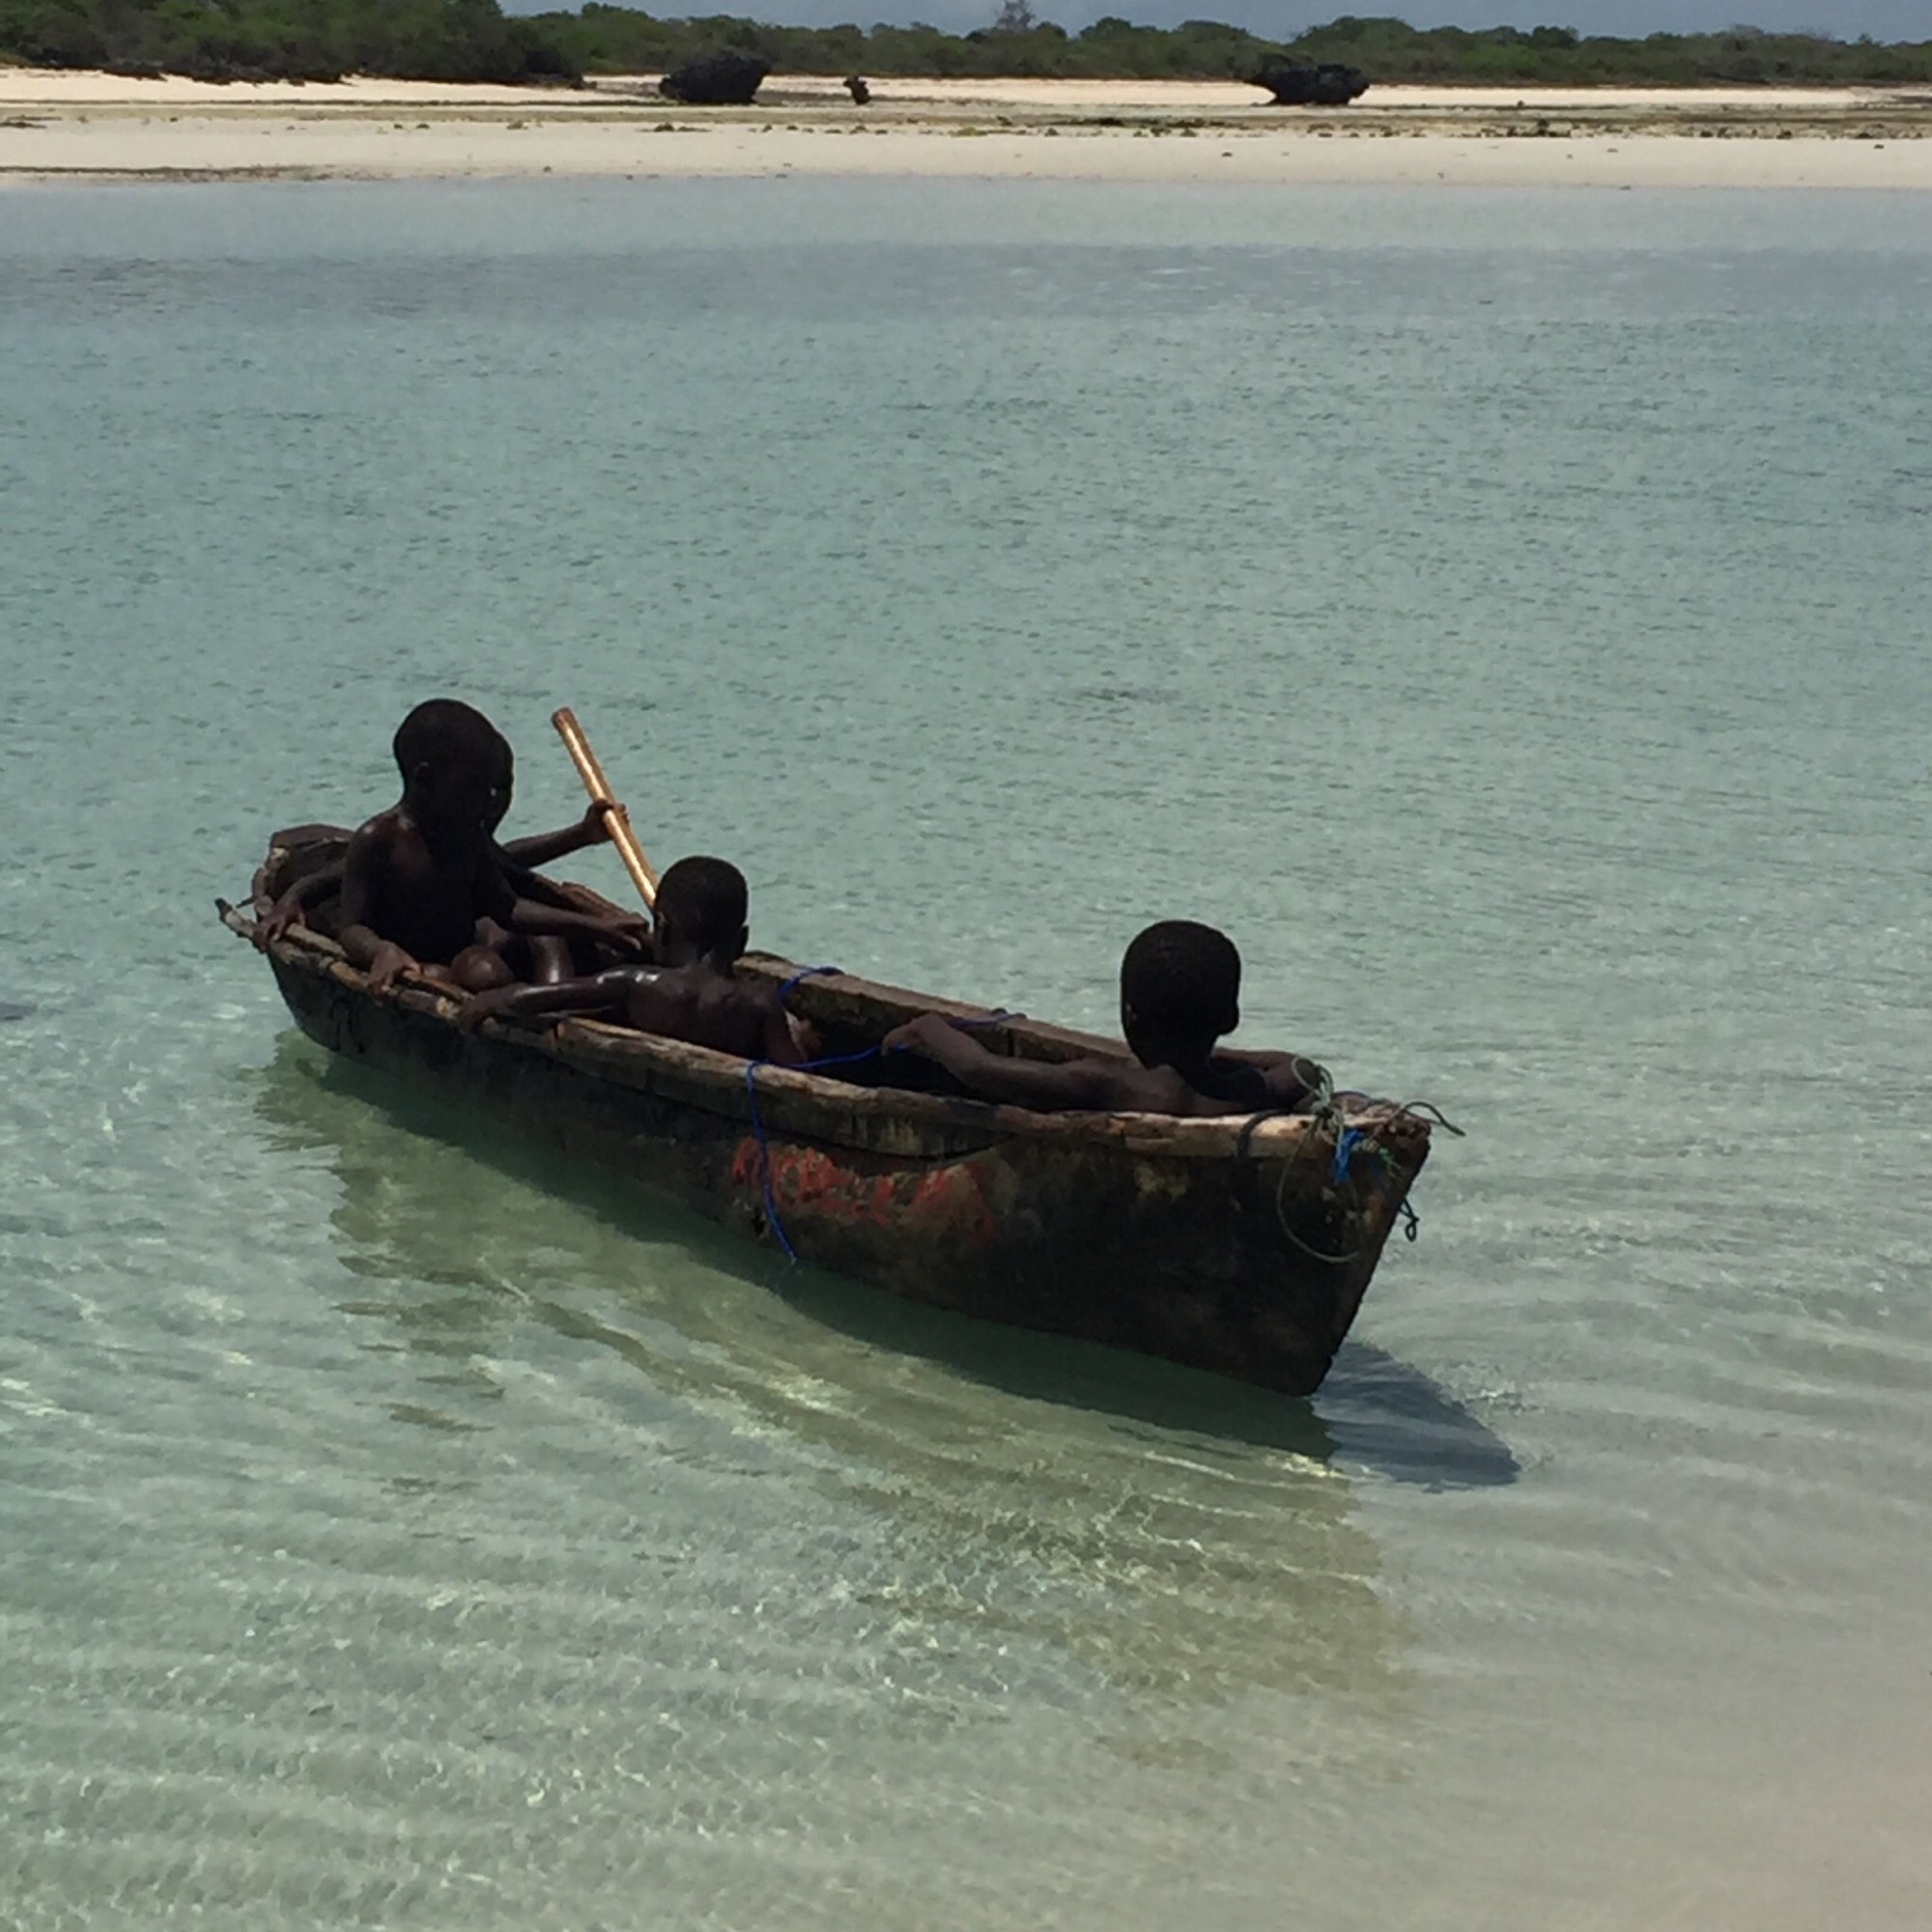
(90, 127)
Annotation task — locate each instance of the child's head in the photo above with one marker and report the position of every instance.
(1180, 990)
(700, 911)
(456, 765)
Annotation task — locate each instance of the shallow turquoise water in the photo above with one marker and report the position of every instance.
(1504, 614)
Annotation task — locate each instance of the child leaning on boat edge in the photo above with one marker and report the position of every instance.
(424, 888)
(691, 993)
(1180, 987)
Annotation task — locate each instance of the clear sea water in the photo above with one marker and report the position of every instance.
(1506, 615)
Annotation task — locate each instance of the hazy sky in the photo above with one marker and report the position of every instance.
(1883, 19)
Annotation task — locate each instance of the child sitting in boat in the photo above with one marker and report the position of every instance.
(1181, 986)
(317, 850)
(691, 993)
(317, 854)
(423, 884)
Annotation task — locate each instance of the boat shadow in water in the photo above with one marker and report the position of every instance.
(1375, 1414)
(1169, 1541)
(1174, 1539)
(1387, 1416)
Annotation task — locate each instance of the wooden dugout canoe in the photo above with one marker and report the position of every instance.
(1238, 1245)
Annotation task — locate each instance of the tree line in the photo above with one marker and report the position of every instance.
(618, 40)
(470, 39)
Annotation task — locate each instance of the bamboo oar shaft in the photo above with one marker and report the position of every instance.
(616, 816)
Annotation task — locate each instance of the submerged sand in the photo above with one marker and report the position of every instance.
(80, 126)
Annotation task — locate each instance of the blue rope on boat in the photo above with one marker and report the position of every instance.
(752, 1067)
(772, 1220)
(804, 973)
(1346, 1144)
(1405, 1208)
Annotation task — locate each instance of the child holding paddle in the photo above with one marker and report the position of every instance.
(321, 848)
(424, 886)
(519, 858)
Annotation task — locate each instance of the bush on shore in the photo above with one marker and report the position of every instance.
(284, 39)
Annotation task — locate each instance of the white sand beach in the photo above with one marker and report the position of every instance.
(91, 127)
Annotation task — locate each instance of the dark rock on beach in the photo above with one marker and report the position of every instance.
(1303, 84)
(717, 81)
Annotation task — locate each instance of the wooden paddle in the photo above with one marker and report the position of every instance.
(614, 814)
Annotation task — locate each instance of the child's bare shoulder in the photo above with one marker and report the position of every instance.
(761, 995)
(386, 827)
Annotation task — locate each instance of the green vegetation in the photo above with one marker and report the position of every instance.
(297, 39)
(469, 39)
(1390, 51)
(616, 40)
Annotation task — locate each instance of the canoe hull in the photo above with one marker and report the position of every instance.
(1208, 1260)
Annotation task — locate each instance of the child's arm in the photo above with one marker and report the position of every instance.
(781, 1047)
(599, 993)
(364, 867)
(545, 848)
(1290, 1078)
(629, 933)
(1046, 1084)
(524, 884)
(526, 902)
(1294, 1079)
(288, 910)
